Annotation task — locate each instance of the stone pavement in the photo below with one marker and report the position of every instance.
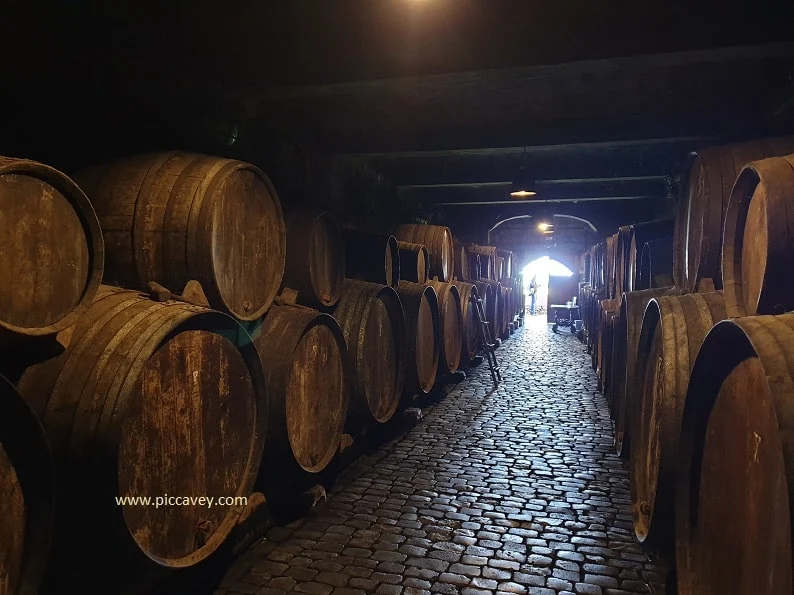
(515, 491)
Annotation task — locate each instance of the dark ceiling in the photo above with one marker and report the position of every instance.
(446, 98)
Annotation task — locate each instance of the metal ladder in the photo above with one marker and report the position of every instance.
(485, 336)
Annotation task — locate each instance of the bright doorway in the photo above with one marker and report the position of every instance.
(544, 269)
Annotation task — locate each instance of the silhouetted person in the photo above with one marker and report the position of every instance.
(533, 294)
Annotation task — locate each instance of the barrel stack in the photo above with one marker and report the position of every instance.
(691, 365)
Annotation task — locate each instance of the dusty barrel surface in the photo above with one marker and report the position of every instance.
(142, 389)
(438, 241)
(304, 360)
(315, 262)
(371, 318)
(733, 497)
(372, 257)
(759, 239)
(51, 246)
(451, 319)
(27, 495)
(626, 341)
(471, 333)
(656, 265)
(414, 262)
(172, 217)
(672, 332)
(423, 335)
(706, 188)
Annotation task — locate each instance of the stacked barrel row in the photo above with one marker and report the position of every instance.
(251, 374)
(700, 381)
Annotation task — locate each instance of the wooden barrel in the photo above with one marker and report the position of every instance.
(622, 257)
(626, 342)
(451, 319)
(414, 262)
(172, 217)
(461, 258)
(148, 399)
(303, 356)
(27, 495)
(423, 336)
(656, 265)
(372, 257)
(51, 246)
(315, 262)
(759, 240)
(706, 188)
(606, 313)
(438, 241)
(493, 306)
(505, 315)
(471, 332)
(507, 267)
(611, 266)
(487, 260)
(639, 235)
(371, 318)
(474, 266)
(733, 491)
(673, 329)
(500, 268)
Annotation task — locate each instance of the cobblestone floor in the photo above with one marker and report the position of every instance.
(515, 491)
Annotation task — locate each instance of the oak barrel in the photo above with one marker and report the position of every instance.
(51, 246)
(639, 235)
(605, 315)
(423, 336)
(706, 188)
(656, 264)
(27, 495)
(493, 306)
(304, 357)
(438, 241)
(471, 336)
(315, 262)
(147, 399)
(371, 257)
(172, 217)
(626, 341)
(507, 266)
(414, 262)
(461, 260)
(672, 332)
(451, 319)
(758, 244)
(734, 481)
(487, 260)
(371, 318)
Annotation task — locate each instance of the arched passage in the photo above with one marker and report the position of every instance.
(553, 281)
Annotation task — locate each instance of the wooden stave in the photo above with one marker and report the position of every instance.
(449, 304)
(179, 187)
(301, 270)
(412, 295)
(677, 325)
(639, 235)
(31, 474)
(492, 305)
(87, 216)
(352, 309)
(115, 329)
(282, 332)
(471, 336)
(714, 170)
(771, 183)
(461, 258)
(366, 259)
(754, 347)
(414, 262)
(438, 241)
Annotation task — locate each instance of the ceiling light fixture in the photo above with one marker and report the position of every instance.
(524, 183)
(544, 226)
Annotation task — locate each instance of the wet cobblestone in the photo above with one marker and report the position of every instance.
(511, 491)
